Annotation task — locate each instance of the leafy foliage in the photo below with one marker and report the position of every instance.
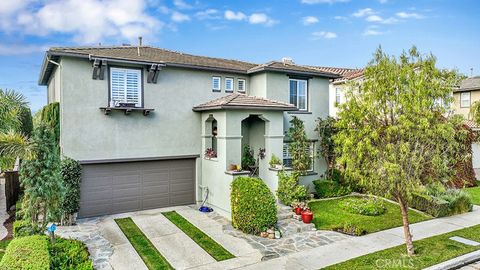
(69, 254)
(464, 174)
(50, 115)
(11, 107)
(25, 228)
(71, 172)
(392, 134)
(247, 158)
(299, 145)
(274, 160)
(367, 206)
(41, 180)
(329, 188)
(326, 130)
(253, 205)
(30, 252)
(288, 188)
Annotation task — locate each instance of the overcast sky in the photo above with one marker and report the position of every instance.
(339, 33)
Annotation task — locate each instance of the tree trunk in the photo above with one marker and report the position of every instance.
(406, 226)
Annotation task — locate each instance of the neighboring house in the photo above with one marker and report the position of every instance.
(336, 92)
(140, 120)
(464, 96)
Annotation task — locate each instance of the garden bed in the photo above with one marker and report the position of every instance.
(330, 215)
(429, 251)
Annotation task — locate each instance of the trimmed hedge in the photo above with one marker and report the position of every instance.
(68, 254)
(441, 203)
(71, 171)
(329, 189)
(22, 228)
(30, 252)
(432, 205)
(253, 205)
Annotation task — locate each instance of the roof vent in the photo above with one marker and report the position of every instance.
(287, 61)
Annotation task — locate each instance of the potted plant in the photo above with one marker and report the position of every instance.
(210, 153)
(275, 162)
(307, 215)
(298, 207)
(232, 167)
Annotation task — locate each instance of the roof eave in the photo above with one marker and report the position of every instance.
(242, 107)
(294, 72)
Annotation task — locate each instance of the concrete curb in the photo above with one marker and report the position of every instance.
(457, 262)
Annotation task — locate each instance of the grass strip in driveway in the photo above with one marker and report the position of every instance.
(218, 252)
(329, 215)
(147, 251)
(429, 251)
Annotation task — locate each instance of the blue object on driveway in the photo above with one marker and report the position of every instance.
(52, 227)
(203, 208)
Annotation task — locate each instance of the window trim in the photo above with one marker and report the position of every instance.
(312, 155)
(219, 89)
(142, 89)
(307, 105)
(244, 85)
(338, 95)
(233, 84)
(469, 99)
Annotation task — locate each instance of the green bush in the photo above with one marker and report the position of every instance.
(68, 254)
(434, 206)
(30, 252)
(19, 208)
(351, 229)
(25, 228)
(253, 205)
(247, 157)
(288, 188)
(328, 189)
(367, 206)
(458, 201)
(72, 175)
(50, 115)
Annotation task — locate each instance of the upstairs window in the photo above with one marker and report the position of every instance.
(465, 100)
(216, 84)
(125, 87)
(338, 96)
(298, 93)
(241, 85)
(229, 85)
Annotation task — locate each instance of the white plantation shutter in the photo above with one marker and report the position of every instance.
(126, 85)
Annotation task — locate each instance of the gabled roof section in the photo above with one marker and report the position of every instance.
(153, 55)
(292, 68)
(241, 101)
(344, 73)
(469, 84)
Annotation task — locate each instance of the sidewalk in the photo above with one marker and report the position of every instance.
(3, 213)
(354, 247)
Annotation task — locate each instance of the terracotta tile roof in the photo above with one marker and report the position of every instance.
(344, 73)
(281, 66)
(242, 101)
(469, 84)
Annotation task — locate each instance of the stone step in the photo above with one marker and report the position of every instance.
(283, 207)
(292, 226)
(284, 215)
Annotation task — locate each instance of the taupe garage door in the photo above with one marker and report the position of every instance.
(111, 188)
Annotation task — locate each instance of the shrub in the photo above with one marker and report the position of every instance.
(50, 115)
(367, 206)
(274, 161)
(22, 228)
(253, 205)
(30, 252)
(432, 205)
(71, 175)
(288, 188)
(328, 189)
(68, 254)
(19, 208)
(247, 157)
(351, 229)
(458, 201)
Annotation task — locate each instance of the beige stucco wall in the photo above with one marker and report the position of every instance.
(474, 96)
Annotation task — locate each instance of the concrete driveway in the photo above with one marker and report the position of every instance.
(110, 248)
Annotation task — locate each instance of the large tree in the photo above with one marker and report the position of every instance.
(393, 132)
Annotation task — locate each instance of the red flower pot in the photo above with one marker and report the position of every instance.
(297, 210)
(307, 216)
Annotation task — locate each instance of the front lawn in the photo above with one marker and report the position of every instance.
(3, 246)
(474, 193)
(218, 252)
(429, 251)
(328, 215)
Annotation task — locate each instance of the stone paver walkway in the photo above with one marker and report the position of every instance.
(3, 213)
(473, 266)
(352, 247)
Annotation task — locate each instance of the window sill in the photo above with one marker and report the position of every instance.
(211, 159)
(290, 169)
(216, 90)
(237, 173)
(126, 110)
(299, 112)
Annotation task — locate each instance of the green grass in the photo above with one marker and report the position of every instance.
(328, 215)
(147, 251)
(218, 252)
(3, 246)
(429, 251)
(474, 193)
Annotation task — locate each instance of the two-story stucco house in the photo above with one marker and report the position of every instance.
(463, 98)
(140, 120)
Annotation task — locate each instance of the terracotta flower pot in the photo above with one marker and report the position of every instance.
(307, 216)
(298, 210)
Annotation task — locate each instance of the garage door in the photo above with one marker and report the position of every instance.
(111, 188)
